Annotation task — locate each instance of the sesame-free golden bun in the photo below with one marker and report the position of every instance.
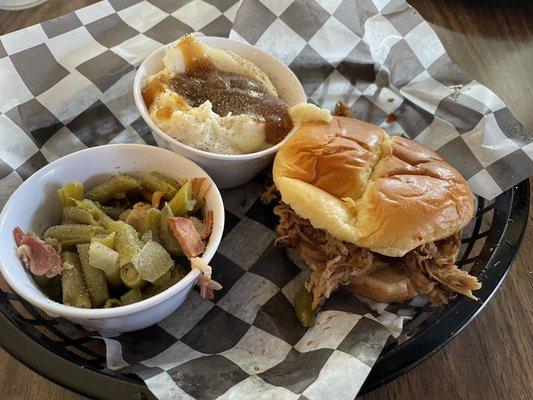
(387, 194)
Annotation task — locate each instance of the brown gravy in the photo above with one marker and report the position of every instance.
(238, 94)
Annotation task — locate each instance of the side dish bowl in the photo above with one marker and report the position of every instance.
(226, 170)
(34, 206)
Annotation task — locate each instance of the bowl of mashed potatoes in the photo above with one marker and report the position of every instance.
(224, 104)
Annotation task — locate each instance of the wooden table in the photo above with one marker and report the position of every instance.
(493, 357)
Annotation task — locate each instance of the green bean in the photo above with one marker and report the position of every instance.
(183, 202)
(131, 296)
(176, 274)
(151, 222)
(112, 303)
(69, 193)
(78, 215)
(169, 242)
(95, 278)
(114, 188)
(74, 290)
(302, 307)
(105, 259)
(128, 243)
(172, 182)
(152, 262)
(163, 278)
(130, 276)
(50, 286)
(95, 210)
(54, 243)
(147, 237)
(112, 211)
(136, 215)
(155, 182)
(107, 240)
(69, 235)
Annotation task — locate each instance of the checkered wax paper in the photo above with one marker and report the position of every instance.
(66, 84)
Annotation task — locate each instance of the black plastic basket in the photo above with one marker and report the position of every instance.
(74, 359)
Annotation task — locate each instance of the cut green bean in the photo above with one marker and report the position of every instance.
(112, 303)
(69, 193)
(107, 240)
(128, 243)
(115, 187)
(183, 202)
(130, 276)
(302, 307)
(78, 215)
(95, 210)
(163, 278)
(155, 182)
(105, 259)
(131, 296)
(54, 243)
(95, 278)
(147, 237)
(50, 286)
(152, 262)
(167, 238)
(112, 211)
(151, 222)
(176, 274)
(69, 235)
(74, 289)
(136, 215)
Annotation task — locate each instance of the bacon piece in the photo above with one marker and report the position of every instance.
(207, 285)
(40, 258)
(184, 231)
(199, 187)
(156, 198)
(208, 225)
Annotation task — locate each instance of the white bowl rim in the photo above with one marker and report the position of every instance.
(62, 310)
(141, 107)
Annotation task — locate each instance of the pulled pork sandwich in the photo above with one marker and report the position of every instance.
(377, 215)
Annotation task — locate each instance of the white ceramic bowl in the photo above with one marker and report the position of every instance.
(226, 170)
(34, 206)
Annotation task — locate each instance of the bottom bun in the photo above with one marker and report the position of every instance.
(387, 285)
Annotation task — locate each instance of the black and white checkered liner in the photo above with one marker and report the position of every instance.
(66, 85)
(247, 342)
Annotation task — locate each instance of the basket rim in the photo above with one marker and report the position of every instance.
(511, 209)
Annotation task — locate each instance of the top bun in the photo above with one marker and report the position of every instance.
(387, 194)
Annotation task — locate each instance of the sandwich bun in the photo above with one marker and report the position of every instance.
(387, 194)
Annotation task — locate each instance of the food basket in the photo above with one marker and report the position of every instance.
(76, 359)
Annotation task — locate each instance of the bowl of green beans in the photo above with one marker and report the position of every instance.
(112, 237)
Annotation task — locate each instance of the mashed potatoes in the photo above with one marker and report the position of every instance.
(219, 102)
(199, 126)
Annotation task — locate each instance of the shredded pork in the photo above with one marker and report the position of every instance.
(335, 263)
(432, 270)
(342, 110)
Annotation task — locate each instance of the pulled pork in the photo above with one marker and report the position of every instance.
(432, 270)
(342, 110)
(335, 263)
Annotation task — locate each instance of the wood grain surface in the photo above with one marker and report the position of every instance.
(492, 358)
